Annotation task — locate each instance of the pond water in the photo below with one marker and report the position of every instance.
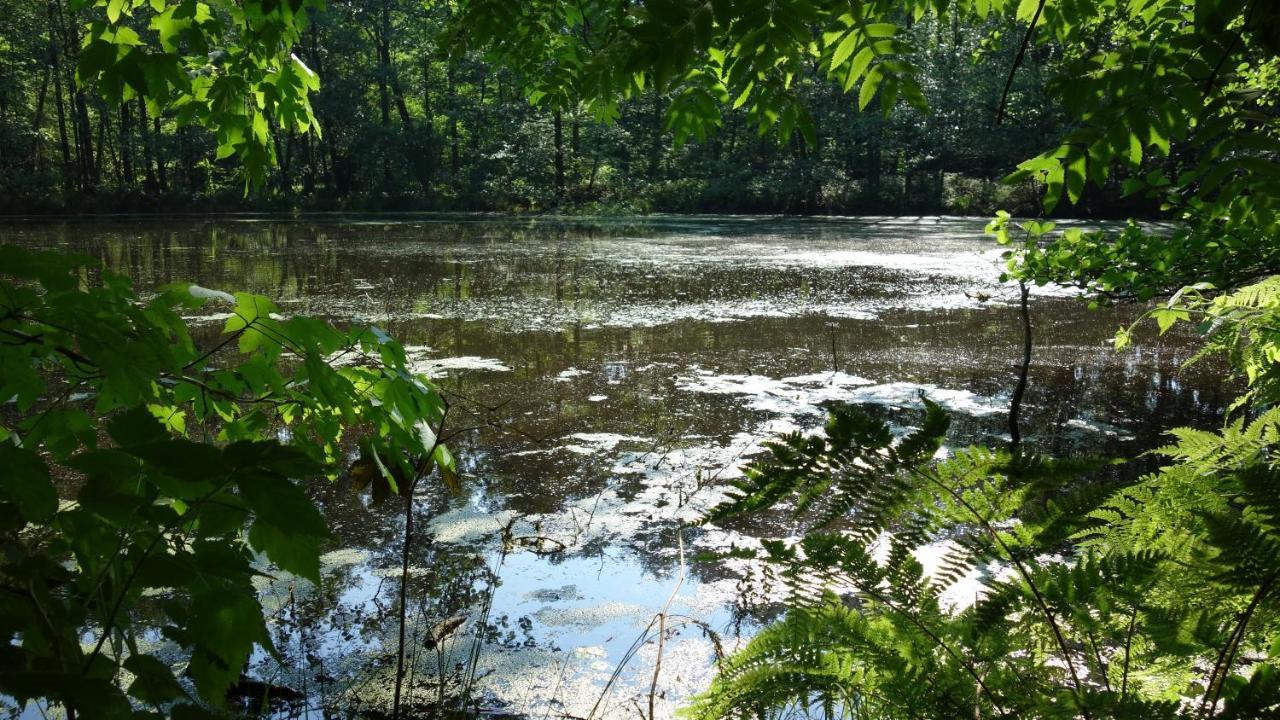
(610, 376)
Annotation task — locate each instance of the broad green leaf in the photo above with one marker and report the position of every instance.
(1075, 177)
(1135, 150)
(843, 50)
(448, 467)
(869, 85)
(137, 426)
(153, 683)
(223, 626)
(26, 481)
(297, 553)
(1166, 317)
(859, 66)
(173, 419)
(252, 319)
(309, 77)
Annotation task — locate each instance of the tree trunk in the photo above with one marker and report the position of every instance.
(575, 145)
(655, 147)
(161, 172)
(125, 138)
(101, 158)
(89, 170)
(559, 141)
(409, 130)
(733, 132)
(1024, 367)
(454, 160)
(383, 44)
(337, 166)
(874, 168)
(309, 179)
(187, 160)
(37, 152)
(148, 149)
(282, 159)
(55, 62)
(84, 135)
(428, 122)
(478, 124)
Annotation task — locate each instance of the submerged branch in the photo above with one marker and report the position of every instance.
(1015, 404)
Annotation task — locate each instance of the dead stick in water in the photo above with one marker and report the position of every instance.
(662, 623)
(1024, 369)
(835, 359)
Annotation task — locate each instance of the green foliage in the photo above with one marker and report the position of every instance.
(409, 127)
(830, 656)
(854, 464)
(1176, 99)
(1153, 599)
(228, 66)
(1078, 600)
(1162, 61)
(1242, 327)
(1203, 98)
(144, 472)
(1158, 95)
(1169, 75)
(743, 54)
(1135, 263)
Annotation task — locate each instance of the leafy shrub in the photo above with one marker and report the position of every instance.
(143, 470)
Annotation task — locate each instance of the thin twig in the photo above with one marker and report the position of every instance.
(1022, 50)
(1025, 573)
(662, 623)
(1102, 666)
(1222, 61)
(404, 569)
(1222, 668)
(1128, 644)
(124, 590)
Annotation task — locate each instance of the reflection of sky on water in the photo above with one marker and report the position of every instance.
(620, 371)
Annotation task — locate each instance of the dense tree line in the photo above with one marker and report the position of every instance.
(412, 121)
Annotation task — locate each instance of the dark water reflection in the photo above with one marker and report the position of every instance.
(633, 363)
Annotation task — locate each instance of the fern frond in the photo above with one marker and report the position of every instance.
(1248, 553)
(1258, 698)
(835, 653)
(853, 473)
(1002, 600)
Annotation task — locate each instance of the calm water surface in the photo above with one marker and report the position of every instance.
(617, 372)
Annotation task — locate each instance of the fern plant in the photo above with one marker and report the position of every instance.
(1052, 593)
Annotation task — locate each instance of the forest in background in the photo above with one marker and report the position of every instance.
(411, 122)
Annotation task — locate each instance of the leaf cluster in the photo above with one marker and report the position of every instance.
(227, 66)
(147, 477)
